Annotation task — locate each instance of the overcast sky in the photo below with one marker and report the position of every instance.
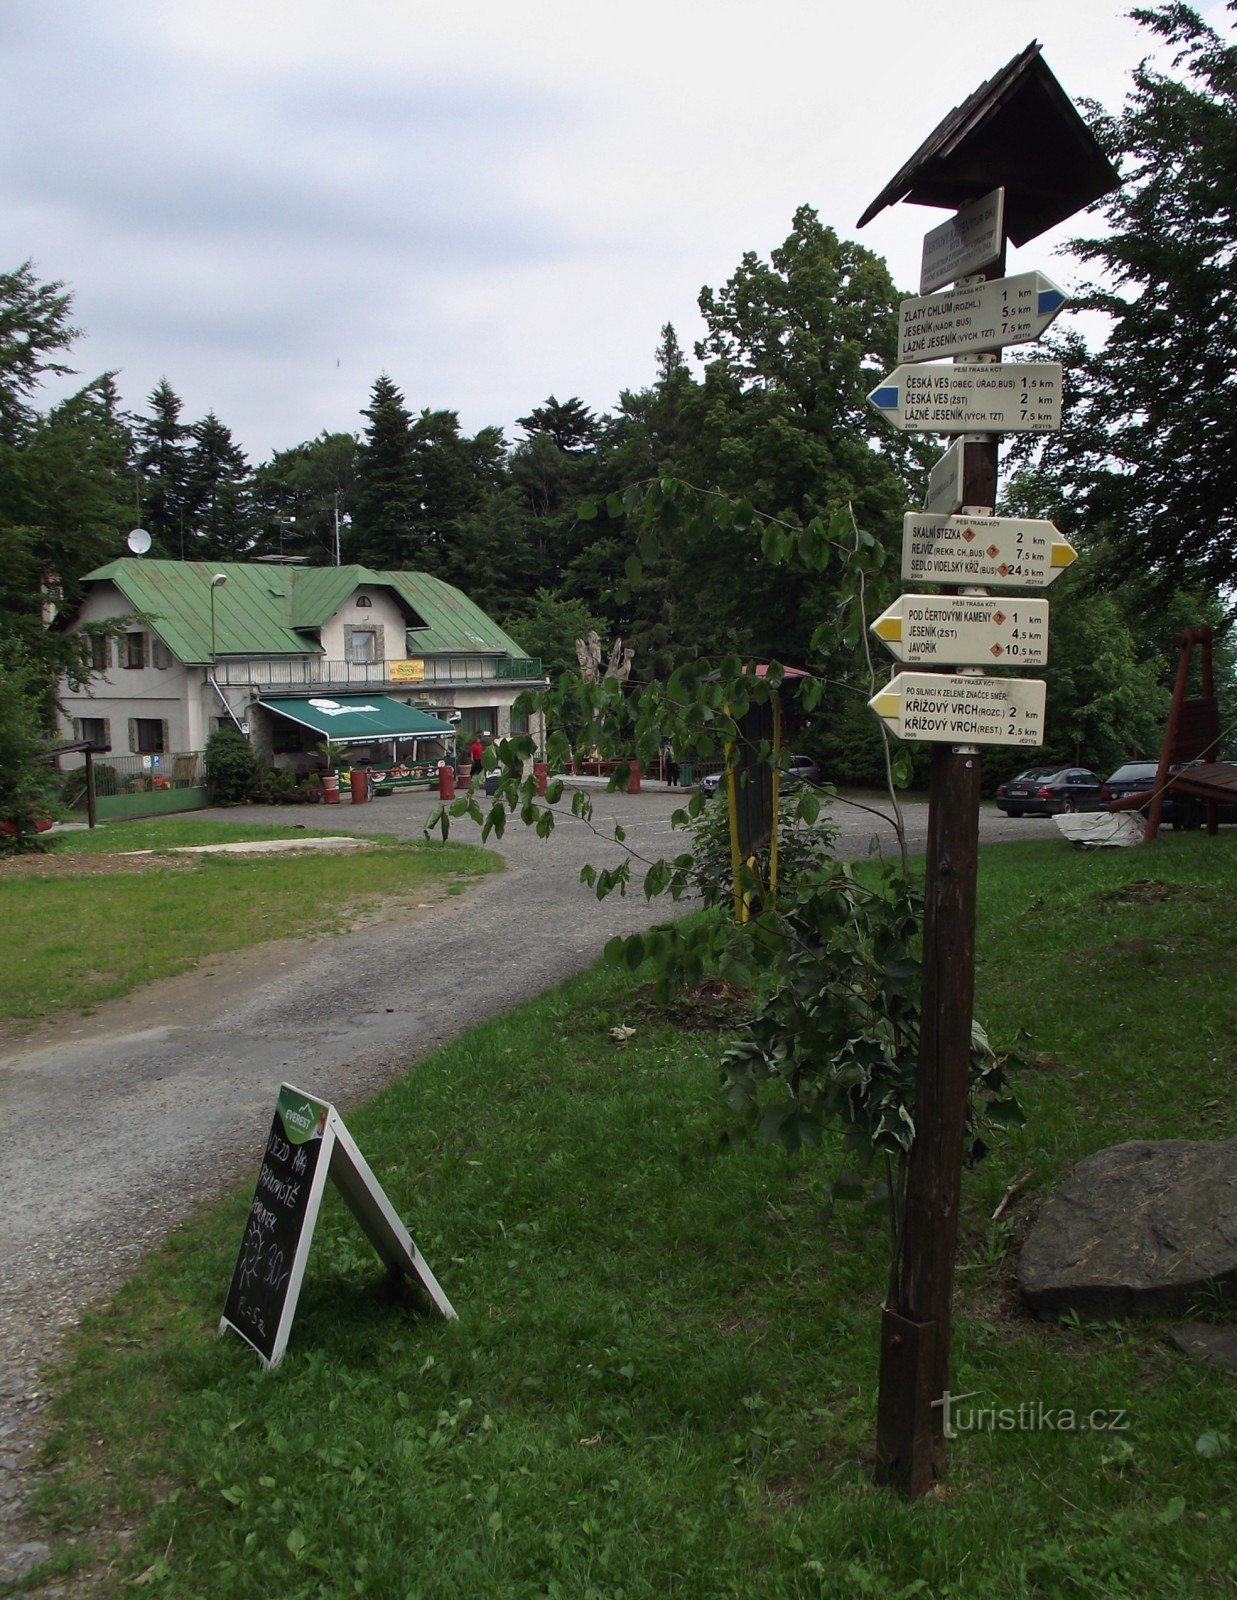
(270, 203)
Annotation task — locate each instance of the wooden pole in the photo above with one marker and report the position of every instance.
(91, 818)
(916, 1327)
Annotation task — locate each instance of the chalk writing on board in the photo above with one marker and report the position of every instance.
(277, 1216)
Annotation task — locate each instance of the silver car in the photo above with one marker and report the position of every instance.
(802, 769)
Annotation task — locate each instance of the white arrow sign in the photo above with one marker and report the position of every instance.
(988, 397)
(988, 552)
(965, 630)
(985, 317)
(970, 240)
(963, 710)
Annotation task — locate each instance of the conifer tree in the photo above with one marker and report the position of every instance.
(163, 472)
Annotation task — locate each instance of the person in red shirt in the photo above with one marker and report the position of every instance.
(476, 750)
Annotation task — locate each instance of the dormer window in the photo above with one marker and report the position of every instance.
(363, 600)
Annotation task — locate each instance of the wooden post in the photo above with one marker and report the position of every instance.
(90, 805)
(916, 1328)
(914, 1373)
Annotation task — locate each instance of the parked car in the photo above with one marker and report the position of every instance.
(1045, 791)
(802, 769)
(1180, 810)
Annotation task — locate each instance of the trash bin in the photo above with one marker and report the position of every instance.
(686, 775)
(539, 772)
(360, 785)
(633, 786)
(491, 783)
(446, 781)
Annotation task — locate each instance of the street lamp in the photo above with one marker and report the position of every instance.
(220, 577)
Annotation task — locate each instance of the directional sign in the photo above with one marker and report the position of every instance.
(965, 630)
(989, 552)
(984, 317)
(963, 710)
(987, 397)
(968, 242)
(944, 495)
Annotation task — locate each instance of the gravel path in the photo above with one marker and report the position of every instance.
(101, 1118)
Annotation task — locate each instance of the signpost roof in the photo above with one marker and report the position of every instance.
(1020, 130)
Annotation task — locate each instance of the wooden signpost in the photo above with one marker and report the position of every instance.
(991, 552)
(1016, 159)
(944, 709)
(971, 631)
(308, 1143)
(985, 397)
(961, 322)
(972, 239)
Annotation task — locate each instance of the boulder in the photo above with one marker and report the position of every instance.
(1144, 1227)
(1214, 1343)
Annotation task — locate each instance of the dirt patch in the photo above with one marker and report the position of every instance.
(713, 1006)
(88, 864)
(1150, 891)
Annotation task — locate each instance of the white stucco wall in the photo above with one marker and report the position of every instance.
(122, 693)
(382, 614)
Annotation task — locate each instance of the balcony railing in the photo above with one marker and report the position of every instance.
(302, 672)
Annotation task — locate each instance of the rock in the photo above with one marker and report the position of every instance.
(1214, 1343)
(16, 1560)
(1146, 1226)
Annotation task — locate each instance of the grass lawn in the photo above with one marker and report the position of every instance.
(662, 1382)
(89, 936)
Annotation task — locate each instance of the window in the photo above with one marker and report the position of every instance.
(135, 650)
(477, 719)
(100, 652)
(362, 645)
(93, 730)
(363, 600)
(148, 736)
(160, 655)
(519, 722)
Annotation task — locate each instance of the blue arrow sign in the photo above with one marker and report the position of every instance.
(980, 316)
(992, 397)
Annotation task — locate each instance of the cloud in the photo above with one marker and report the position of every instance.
(270, 204)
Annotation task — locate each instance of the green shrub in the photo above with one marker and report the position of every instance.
(802, 846)
(27, 781)
(230, 766)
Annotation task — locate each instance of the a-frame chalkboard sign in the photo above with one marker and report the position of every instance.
(307, 1144)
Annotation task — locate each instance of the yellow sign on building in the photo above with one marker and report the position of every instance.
(411, 671)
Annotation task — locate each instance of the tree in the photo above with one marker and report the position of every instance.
(387, 493)
(452, 475)
(163, 467)
(34, 326)
(548, 626)
(64, 485)
(1145, 456)
(302, 495)
(569, 423)
(218, 486)
(26, 778)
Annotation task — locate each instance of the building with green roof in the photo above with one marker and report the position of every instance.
(292, 656)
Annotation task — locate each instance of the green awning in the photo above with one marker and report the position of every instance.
(360, 719)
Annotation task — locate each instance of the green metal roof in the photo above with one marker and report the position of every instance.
(359, 719)
(270, 610)
(452, 621)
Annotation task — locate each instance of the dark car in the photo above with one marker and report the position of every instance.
(802, 769)
(1180, 810)
(1045, 791)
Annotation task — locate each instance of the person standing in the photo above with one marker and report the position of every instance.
(669, 766)
(476, 750)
